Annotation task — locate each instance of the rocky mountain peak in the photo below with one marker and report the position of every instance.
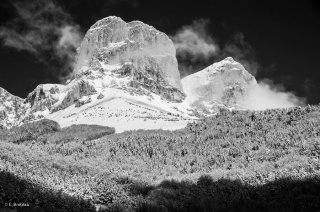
(149, 54)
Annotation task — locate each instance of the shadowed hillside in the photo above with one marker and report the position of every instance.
(204, 195)
(15, 190)
(283, 194)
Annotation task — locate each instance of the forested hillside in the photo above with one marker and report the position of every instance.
(234, 161)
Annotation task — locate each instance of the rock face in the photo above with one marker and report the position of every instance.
(44, 97)
(223, 84)
(54, 97)
(141, 51)
(12, 109)
(74, 94)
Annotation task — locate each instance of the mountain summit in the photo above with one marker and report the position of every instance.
(136, 50)
(126, 76)
(223, 84)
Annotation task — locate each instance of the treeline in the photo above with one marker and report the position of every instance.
(48, 131)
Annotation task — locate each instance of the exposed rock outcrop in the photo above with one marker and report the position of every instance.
(12, 109)
(145, 54)
(44, 97)
(75, 93)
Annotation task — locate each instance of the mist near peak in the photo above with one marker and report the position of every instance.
(45, 30)
(267, 96)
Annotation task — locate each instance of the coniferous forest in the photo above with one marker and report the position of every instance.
(233, 161)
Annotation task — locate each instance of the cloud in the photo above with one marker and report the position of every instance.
(13, 39)
(69, 40)
(193, 40)
(268, 96)
(69, 36)
(45, 30)
(195, 48)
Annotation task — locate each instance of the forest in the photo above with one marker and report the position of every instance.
(233, 161)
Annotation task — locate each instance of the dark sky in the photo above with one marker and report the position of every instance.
(284, 38)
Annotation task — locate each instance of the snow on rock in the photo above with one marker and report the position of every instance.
(223, 84)
(143, 52)
(101, 95)
(124, 111)
(12, 109)
(44, 97)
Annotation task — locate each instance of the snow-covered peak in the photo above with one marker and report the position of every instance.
(221, 84)
(227, 64)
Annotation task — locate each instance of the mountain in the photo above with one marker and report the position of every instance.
(126, 76)
(223, 84)
(139, 51)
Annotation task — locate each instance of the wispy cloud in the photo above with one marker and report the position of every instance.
(193, 39)
(69, 36)
(195, 48)
(269, 96)
(43, 28)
